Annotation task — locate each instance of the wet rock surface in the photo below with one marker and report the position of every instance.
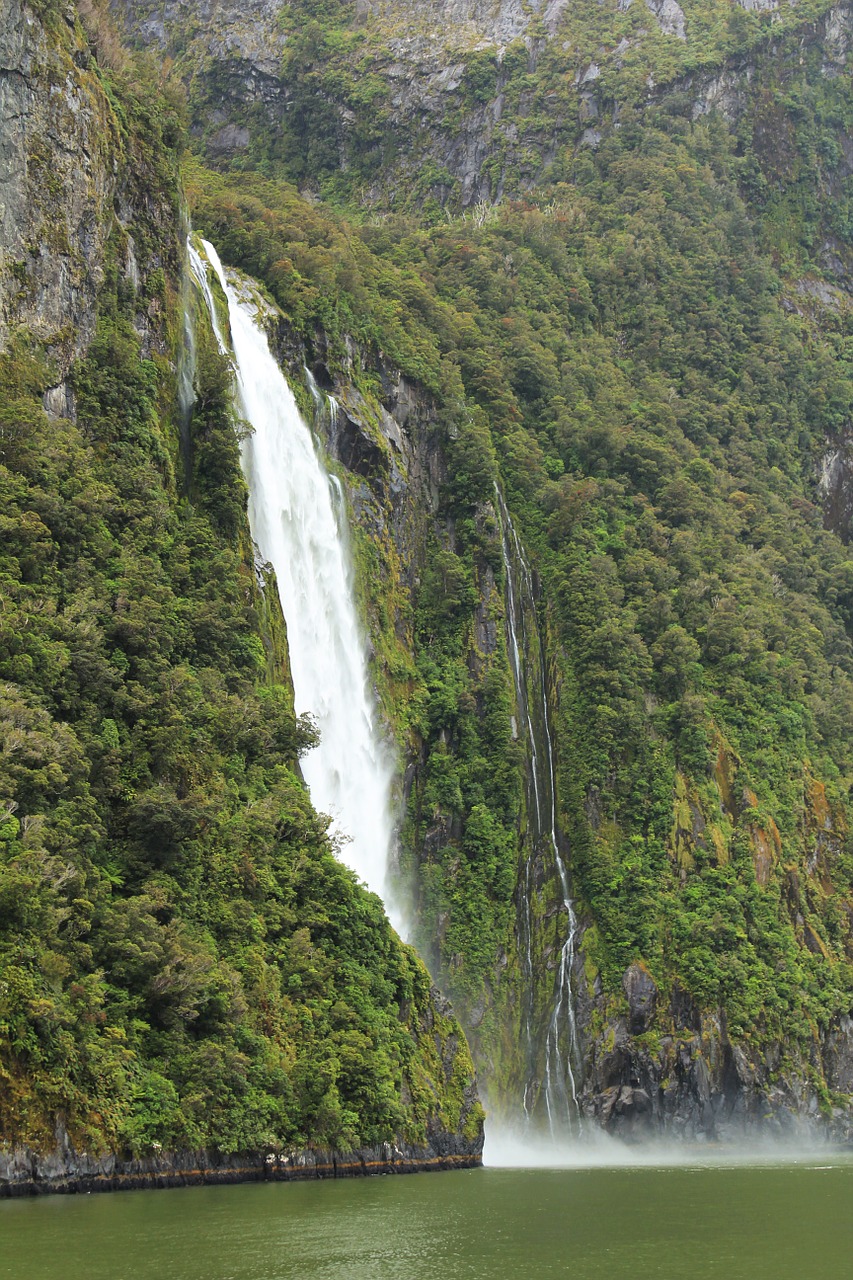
(56, 183)
(64, 1171)
(689, 1081)
(64, 190)
(836, 485)
(642, 998)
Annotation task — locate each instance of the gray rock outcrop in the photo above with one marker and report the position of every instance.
(25, 1172)
(691, 1082)
(57, 177)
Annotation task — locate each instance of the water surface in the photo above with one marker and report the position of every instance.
(769, 1223)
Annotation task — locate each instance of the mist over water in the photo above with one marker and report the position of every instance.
(298, 522)
(508, 1148)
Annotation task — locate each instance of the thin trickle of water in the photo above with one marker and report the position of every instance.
(311, 382)
(337, 496)
(297, 518)
(186, 381)
(198, 271)
(516, 623)
(561, 1039)
(326, 407)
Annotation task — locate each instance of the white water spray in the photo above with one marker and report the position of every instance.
(562, 1050)
(298, 521)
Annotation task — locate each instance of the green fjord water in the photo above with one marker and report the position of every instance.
(765, 1223)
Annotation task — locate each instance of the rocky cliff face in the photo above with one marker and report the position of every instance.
(469, 102)
(70, 178)
(57, 181)
(458, 23)
(246, 97)
(24, 1172)
(673, 1072)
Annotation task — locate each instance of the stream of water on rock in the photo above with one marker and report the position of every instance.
(527, 658)
(298, 522)
(299, 526)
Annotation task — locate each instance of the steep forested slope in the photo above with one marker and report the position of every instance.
(184, 964)
(599, 255)
(650, 338)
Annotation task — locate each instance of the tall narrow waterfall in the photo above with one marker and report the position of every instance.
(555, 1077)
(186, 378)
(299, 526)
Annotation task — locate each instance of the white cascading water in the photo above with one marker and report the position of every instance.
(298, 522)
(561, 1041)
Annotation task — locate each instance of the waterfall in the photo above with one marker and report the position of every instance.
(526, 654)
(516, 626)
(298, 521)
(198, 271)
(326, 407)
(186, 369)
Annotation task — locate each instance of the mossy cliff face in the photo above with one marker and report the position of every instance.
(659, 1061)
(184, 966)
(60, 138)
(652, 1059)
(444, 104)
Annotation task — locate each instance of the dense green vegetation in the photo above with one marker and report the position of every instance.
(648, 350)
(183, 961)
(629, 352)
(320, 274)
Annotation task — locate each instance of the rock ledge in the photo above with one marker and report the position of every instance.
(25, 1172)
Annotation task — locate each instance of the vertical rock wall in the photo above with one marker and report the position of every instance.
(59, 149)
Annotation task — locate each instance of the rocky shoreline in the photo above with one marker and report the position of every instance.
(24, 1172)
